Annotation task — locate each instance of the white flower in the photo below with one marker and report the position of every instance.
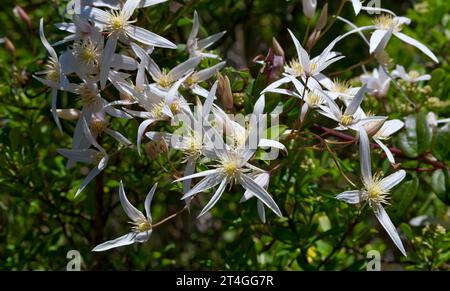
(376, 190)
(189, 139)
(98, 157)
(384, 27)
(196, 47)
(433, 121)
(197, 77)
(54, 76)
(165, 79)
(353, 117)
(412, 76)
(118, 25)
(309, 70)
(309, 8)
(378, 82)
(80, 29)
(232, 166)
(142, 225)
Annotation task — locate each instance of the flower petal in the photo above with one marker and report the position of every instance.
(386, 150)
(149, 38)
(417, 44)
(364, 152)
(148, 203)
(392, 180)
(386, 222)
(124, 240)
(142, 127)
(215, 197)
(352, 197)
(131, 211)
(259, 192)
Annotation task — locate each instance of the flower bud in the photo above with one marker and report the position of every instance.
(309, 8)
(23, 15)
(68, 114)
(224, 91)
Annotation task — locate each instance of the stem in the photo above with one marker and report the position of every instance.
(172, 216)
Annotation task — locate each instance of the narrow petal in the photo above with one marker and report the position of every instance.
(390, 127)
(417, 44)
(356, 6)
(124, 240)
(260, 193)
(149, 38)
(258, 109)
(142, 127)
(386, 222)
(54, 112)
(92, 174)
(82, 155)
(130, 210)
(148, 203)
(261, 211)
(108, 53)
(215, 198)
(205, 184)
(386, 150)
(44, 41)
(188, 170)
(356, 101)
(205, 74)
(183, 68)
(118, 136)
(210, 40)
(194, 31)
(302, 54)
(364, 152)
(209, 100)
(392, 180)
(351, 197)
(376, 38)
(197, 175)
(272, 144)
(129, 7)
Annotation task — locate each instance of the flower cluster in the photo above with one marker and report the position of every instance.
(108, 66)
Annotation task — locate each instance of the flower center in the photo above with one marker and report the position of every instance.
(141, 226)
(164, 81)
(87, 52)
(313, 99)
(386, 22)
(230, 168)
(175, 107)
(191, 81)
(346, 119)
(375, 193)
(341, 86)
(52, 70)
(413, 75)
(157, 109)
(118, 22)
(87, 95)
(97, 126)
(294, 68)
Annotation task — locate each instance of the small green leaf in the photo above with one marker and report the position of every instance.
(417, 136)
(440, 145)
(441, 185)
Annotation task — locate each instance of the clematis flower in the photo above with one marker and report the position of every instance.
(196, 47)
(376, 190)
(378, 82)
(412, 76)
(142, 225)
(118, 25)
(387, 25)
(353, 117)
(54, 77)
(189, 139)
(97, 156)
(165, 79)
(231, 166)
(309, 70)
(200, 76)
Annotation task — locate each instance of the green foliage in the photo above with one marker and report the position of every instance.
(40, 220)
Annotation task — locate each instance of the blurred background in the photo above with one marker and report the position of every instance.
(40, 221)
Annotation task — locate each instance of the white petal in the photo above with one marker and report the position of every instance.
(54, 112)
(271, 143)
(352, 197)
(44, 41)
(302, 54)
(386, 150)
(356, 6)
(205, 74)
(130, 210)
(392, 180)
(125, 240)
(142, 127)
(118, 136)
(259, 105)
(276, 84)
(215, 198)
(376, 38)
(92, 174)
(108, 53)
(197, 175)
(142, 237)
(209, 100)
(259, 192)
(417, 44)
(364, 152)
(149, 38)
(188, 170)
(82, 155)
(194, 31)
(148, 203)
(205, 184)
(390, 127)
(356, 101)
(386, 222)
(129, 7)
(210, 40)
(261, 211)
(183, 68)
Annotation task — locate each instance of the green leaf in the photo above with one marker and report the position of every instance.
(441, 185)
(440, 145)
(417, 136)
